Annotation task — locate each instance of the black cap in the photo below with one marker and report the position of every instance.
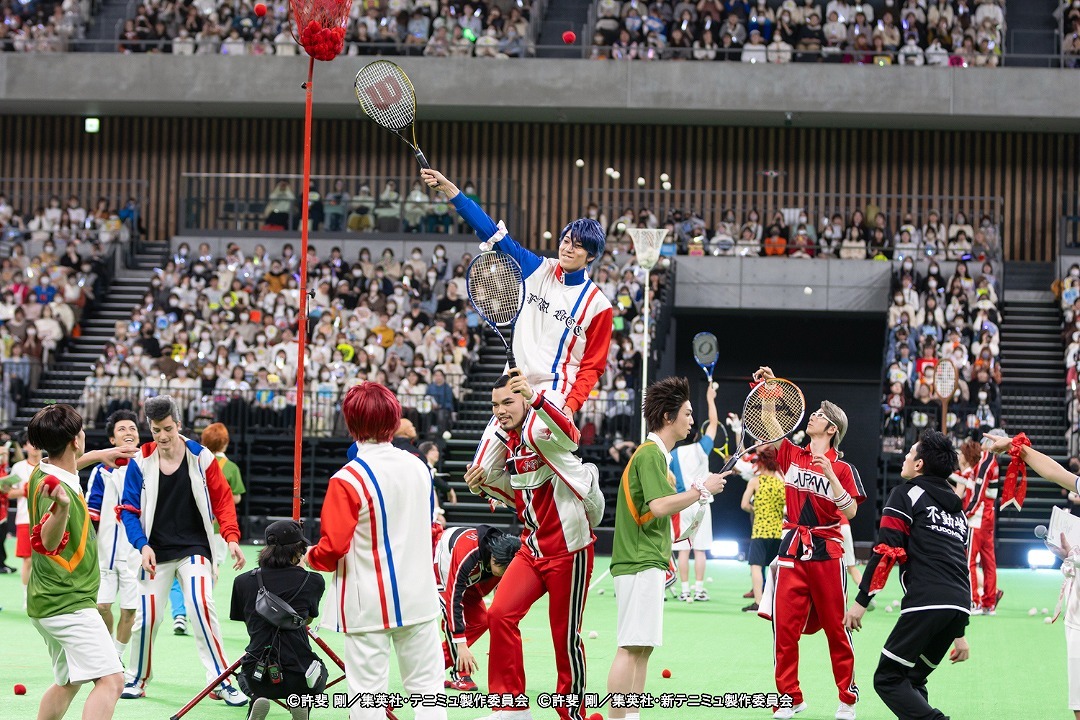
(284, 532)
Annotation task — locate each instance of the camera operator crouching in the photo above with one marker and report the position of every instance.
(277, 601)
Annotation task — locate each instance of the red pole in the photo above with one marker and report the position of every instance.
(301, 330)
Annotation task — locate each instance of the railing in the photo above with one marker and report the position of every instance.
(215, 202)
(261, 411)
(710, 205)
(1069, 225)
(586, 49)
(26, 194)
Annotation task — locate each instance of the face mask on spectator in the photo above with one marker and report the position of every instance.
(898, 299)
(137, 350)
(357, 273)
(982, 396)
(208, 372)
(189, 318)
(440, 252)
(908, 265)
(324, 376)
(244, 317)
(417, 255)
(933, 269)
(931, 283)
(620, 384)
(1075, 272)
(260, 338)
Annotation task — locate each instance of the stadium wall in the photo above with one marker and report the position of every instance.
(1030, 171)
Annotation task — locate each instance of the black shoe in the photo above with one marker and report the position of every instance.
(5, 570)
(752, 607)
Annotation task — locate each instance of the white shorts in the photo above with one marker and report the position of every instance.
(80, 646)
(640, 602)
(849, 546)
(120, 582)
(1072, 648)
(703, 537)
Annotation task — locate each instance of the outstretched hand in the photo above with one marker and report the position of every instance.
(437, 181)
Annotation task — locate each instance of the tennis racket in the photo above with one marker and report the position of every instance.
(497, 291)
(386, 96)
(706, 351)
(944, 387)
(772, 411)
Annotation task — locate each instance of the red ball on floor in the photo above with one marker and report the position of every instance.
(20, 689)
(666, 673)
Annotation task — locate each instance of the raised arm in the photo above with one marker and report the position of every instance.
(486, 229)
(1044, 465)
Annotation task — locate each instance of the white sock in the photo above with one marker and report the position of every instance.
(699, 586)
(121, 648)
(685, 589)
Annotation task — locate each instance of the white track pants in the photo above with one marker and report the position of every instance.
(195, 574)
(420, 660)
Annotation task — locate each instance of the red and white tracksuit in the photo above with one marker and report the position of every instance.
(536, 470)
(464, 580)
(376, 537)
(810, 588)
(980, 498)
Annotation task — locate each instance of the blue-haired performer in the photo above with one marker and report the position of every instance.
(561, 337)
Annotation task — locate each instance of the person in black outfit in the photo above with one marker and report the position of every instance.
(287, 649)
(923, 528)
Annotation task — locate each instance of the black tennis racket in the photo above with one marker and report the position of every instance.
(386, 95)
(706, 352)
(771, 412)
(497, 291)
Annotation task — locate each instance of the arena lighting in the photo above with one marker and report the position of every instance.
(92, 125)
(1041, 558)
(725, 549)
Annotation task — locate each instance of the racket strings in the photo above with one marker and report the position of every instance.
(789, 405)
(386, 95)
(945, 379)
(496, 288)
(705, 351)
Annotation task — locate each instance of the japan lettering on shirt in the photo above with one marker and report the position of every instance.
(808, 481)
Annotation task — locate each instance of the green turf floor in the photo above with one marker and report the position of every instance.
(1016, 672)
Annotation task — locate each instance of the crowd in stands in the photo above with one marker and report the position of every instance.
(1068, 13)
(42, 27)
(371, 208)
(1069, 288)
(935, 318)
(912, 32)
(399, 27)
(51, 268)
(792, 233)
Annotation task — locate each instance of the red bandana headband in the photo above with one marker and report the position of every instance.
(1015, 487)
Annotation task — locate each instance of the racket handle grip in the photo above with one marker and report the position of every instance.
(730, 464)
(511, 361)
(421, 159)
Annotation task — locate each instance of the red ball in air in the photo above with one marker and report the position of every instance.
(260, 9)
(20, 689)
(569, 37)
(666, 673)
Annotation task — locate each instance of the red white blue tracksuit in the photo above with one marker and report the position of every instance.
(810, 589)
(562, 335)
(536, 471)
(376, 538)
(195, 573)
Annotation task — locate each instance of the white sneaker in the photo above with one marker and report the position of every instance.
(132, 691)
(788, 713)
(232, 696)
(701, 596)
(686, 597)
(845, 712)
(179, 625)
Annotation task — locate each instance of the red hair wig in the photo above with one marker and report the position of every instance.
(766, 457)
(216, 438)
(371, 412)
